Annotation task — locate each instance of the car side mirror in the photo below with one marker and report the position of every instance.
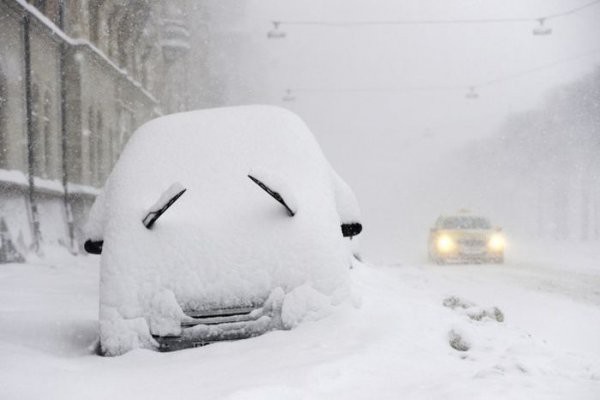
(93, 246)
(351, 229)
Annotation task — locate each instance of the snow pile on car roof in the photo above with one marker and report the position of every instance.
(225, 242)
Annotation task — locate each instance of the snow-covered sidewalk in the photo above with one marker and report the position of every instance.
(395, 345)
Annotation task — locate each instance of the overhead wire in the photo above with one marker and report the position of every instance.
(379, 89)
(437, 21)
(472, 87)
(571, 11)
(537, 69)
(400, 89)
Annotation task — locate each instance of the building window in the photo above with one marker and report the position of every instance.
(46, 138)
(36, 117)
(111, 149)
(98, 170)
(3, 132)
(89, 148)
(40, 5)
(145, 61)
(41, 124)
(50, 8)
(126, 123)
(112, 35)
(94, 22)
(95, 141)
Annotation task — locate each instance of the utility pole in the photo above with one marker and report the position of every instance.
(63, 127)
(35, 221)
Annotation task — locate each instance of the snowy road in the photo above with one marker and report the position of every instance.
(543, 278)
(396, 344)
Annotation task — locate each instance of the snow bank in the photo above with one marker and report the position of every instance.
(398, 342)
(224, 242)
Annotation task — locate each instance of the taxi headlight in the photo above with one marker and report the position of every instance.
(496, 242)
(445, 244)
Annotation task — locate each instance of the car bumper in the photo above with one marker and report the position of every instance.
(202, 335)
(467, 257)
(200, 329)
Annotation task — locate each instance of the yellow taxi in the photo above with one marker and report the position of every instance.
(464, 238)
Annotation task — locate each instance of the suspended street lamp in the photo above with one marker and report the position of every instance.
(472, 94)
(276, 33)
(288, 96)
(541, 29)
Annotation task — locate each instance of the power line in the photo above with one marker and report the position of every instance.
(436, 21)
(379, 89)
(406, 22)
(438, 88)
(537, 69)
(572, 11)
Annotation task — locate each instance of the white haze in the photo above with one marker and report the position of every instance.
(399, 150)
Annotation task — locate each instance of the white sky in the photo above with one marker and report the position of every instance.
(385, 144)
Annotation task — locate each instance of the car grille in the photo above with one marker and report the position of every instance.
(215, 317)
(472, 242)
(205, 327)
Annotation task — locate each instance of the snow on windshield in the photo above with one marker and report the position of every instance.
(465, 223)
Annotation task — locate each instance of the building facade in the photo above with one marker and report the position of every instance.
(76, 78)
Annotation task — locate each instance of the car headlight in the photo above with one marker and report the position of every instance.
(445, 244)
(496, 242)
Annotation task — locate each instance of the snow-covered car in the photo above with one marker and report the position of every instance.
(218, 225)
(465, 238)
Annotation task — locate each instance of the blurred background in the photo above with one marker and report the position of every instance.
(423, 106)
